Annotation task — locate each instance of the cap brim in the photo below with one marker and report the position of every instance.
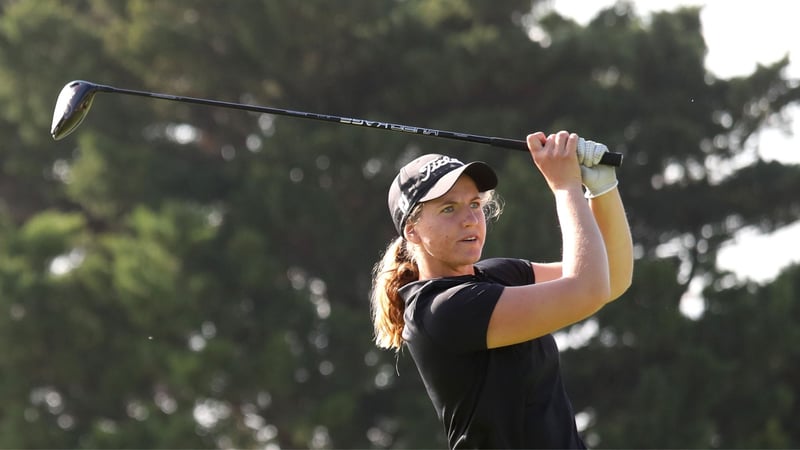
(483, 175)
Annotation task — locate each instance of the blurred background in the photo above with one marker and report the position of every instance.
(179, 276)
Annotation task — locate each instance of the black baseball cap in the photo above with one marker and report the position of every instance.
(429, 177)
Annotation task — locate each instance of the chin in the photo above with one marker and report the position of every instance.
(473, 258)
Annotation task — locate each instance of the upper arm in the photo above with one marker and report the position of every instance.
(527, 312)
(546, 271)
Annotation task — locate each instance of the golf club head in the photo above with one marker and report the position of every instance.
(72, 106)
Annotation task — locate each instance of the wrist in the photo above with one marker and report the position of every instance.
(597, 192)
(569, 191)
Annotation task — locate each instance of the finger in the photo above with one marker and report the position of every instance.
(581, 151)
(592, 154)
(561, 139)
(536, 141)
(599, 150)
(572, 143)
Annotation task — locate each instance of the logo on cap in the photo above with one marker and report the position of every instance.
(403, 203)
(431, 167)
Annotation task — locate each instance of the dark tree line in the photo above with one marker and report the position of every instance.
(175, 276)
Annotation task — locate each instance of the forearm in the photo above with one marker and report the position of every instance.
(609, 214)
(584, 254)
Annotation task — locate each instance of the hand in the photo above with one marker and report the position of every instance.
(598, 179)
(556, 157)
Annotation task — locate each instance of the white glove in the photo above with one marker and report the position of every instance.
(598, 179)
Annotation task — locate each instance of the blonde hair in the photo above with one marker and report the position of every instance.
(397, 268)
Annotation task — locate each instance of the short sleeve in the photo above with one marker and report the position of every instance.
(458, 318)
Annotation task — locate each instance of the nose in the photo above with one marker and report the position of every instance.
(472, 217)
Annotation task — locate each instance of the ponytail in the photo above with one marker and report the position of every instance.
(396, 269)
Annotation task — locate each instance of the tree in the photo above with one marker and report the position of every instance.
(180, 276)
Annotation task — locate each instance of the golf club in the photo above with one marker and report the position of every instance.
(76, 98)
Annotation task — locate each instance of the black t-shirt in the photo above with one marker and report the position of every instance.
(507, 397)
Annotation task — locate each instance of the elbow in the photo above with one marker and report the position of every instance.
(595, 292)
(617, 290)
(619, 285)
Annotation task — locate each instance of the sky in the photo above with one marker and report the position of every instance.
(739, 35)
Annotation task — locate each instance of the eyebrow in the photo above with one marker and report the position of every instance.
(445, 200)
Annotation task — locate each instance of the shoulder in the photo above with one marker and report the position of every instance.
(433, 294)
(507, 271)
(451, 312)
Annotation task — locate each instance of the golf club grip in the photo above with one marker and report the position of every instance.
(608, 159)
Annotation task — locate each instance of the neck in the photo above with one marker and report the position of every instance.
(429, 271)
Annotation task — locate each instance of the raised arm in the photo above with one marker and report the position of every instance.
(610, 215)
(527, 312)
(606, 205)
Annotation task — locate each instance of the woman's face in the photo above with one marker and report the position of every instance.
(450, 232)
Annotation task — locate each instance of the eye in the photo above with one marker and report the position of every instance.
(447, 209)
(475, 205)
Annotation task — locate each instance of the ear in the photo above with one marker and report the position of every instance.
(411, 234)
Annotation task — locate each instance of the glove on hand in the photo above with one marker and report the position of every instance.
(597, 179)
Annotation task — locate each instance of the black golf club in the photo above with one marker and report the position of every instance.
(76, 98)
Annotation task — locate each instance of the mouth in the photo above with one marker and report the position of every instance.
(470, 239)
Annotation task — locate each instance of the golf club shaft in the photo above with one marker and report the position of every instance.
(609, 158)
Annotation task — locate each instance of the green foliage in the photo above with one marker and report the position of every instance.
(177, 276)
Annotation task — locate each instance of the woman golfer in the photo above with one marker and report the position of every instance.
(480, 331)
